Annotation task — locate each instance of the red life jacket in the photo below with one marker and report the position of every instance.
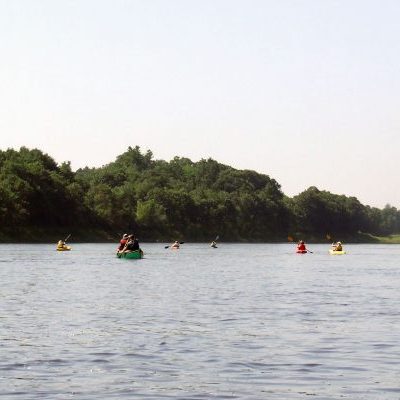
(122, 244)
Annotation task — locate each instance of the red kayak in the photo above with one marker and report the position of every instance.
(301, 251)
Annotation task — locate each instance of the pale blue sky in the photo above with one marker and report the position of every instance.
(307, 92)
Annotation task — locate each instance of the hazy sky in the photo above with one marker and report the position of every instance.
(307, 92)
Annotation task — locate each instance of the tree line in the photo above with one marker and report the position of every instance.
(160, 200)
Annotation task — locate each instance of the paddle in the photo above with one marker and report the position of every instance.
(67, 238)
(167, 247)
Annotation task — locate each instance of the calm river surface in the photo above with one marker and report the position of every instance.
(237, 322)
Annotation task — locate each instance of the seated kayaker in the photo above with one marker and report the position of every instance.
(301, 246)
(61, 245)
(213, 244)
(175, 245)
(337, 246)
(132, 244)
(122, 242)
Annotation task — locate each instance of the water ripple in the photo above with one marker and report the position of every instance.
(198, 325)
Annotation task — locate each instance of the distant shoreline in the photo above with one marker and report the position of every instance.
(164, 201)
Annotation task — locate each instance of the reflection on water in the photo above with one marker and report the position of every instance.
(237, 322)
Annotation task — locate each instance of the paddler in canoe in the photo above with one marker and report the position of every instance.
(122, 242)
(131, 245)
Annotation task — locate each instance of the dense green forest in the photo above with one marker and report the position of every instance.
(179, 199)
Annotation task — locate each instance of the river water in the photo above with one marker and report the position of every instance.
(247, 321)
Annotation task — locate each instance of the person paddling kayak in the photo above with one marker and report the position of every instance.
(60, 244)
(213, 244)
(301, 247)
(175, 245)
(337, 246)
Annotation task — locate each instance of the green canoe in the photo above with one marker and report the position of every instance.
(131, 255)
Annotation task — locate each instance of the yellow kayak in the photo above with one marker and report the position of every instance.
(64, 248)
(336, 252)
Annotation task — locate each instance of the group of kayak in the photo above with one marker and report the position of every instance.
(176, 245)
(336, 248)
(129, 247)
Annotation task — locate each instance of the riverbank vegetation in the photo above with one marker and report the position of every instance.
(41, 200)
